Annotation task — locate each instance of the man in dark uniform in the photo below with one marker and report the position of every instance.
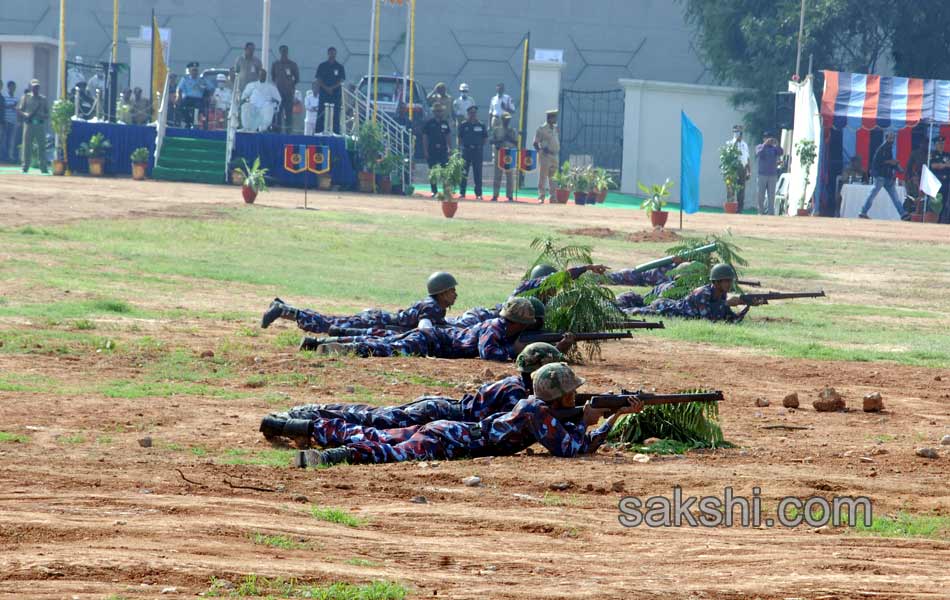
(286, 75)
(435, 141)
(472, 136)
(330, 76)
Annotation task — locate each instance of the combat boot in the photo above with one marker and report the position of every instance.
(326, 458)
(278, 310)
(298, 430)
(310, 343)
(273, 424)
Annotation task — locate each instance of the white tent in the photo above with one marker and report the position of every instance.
(807, 126)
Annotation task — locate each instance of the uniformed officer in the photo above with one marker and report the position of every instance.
(548, 144)
(472, 136)
(34, 112)
(461, 105)
(503, 136)
(439, 98)
(940, 165)
(435, 140)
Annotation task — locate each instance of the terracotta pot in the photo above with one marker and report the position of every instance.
(601, 196)
(449, 207)
(96, 166)
(249, 194)
(561, 196)
(237, 177)
(324, 182)
(730, 207)
(59, 167)
(931, 217)
(367, 182)
(138, 170)
(802, 212)
(580, 198)
(385, 185)
(658, 218)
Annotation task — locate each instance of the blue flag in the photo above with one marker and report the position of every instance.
(691, 153)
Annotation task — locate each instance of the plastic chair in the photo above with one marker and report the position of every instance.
(781, 194)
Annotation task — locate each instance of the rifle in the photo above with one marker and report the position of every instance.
(634, 324)
(553, 338)
(614, 402)
(749, 283)
(371, 331)
(668, 260)
(760, 299)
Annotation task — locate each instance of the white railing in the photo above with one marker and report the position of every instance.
(397, 138)
(162, 120)
(233, 120)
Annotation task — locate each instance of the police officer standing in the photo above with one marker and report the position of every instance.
(940, 165)
(503, 136)
(548, 144)
(34, 111)
(472, 136)
(435, 141)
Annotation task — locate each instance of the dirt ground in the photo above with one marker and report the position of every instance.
(91, 519)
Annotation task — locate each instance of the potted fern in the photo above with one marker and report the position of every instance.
(61, 120)
(582, 182)
(562, 180)
(254, 182)
(655, 201)
(731, 169)
(445, 178)
(806, 158)
(95, 150)
(139, 163)
(390, 164)
(369, 147)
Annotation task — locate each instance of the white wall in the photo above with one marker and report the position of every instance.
(17, 64)
(651, 148)
(21, 62)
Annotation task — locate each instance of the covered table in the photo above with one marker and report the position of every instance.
(853, 196)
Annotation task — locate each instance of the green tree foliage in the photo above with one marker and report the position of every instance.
(694, 423)
(695, 273)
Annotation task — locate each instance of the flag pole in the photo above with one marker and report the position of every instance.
(265, 37)
(63, 92)
(151, 63)
(115, 31)
(522, 121)
(369, 65)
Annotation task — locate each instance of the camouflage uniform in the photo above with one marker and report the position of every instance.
(488, 340)
(699, 304)
(373, 318)
(654, 277)
(474, 316)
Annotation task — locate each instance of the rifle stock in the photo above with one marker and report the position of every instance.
(668, 260)
(635, 325)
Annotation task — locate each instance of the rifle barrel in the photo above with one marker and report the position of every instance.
(636, 325)
(668, 260)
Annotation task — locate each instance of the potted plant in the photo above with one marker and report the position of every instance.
(369, 147)
(655, 201)
(928, 209)
(95, 150)
(602, 183)
(806, 158)
(390, 164)
(581, 183)
(139, 163)
(562, 181)
(61, 120)
(731, 169)
(253, 183)
(446, 177)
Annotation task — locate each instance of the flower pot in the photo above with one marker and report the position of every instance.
(96, 166)
(237, 177)
(561, 196)
(367, 181)
(449, 207)
(802, 212)
(59, 167)
(730, 207)
(138, 170)
(601, 196)
(931, 217)
(580, 198)
(385, 185)
(658, 218)
(249, 194)
(324, 182)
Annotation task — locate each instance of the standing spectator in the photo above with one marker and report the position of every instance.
(221, 101)
(286, 75)
(461, 105)
(739, 143)
(472, 136)
(191, 92)
(767, 154)
(34, 111)
(435, 140)
(311, 105)
(247, 68)
(501, 103)
(548, 144)
(261, 100)
(883, 168)
(74, 75)
(439, 99)
(10, 122)
(504, 136)
(96, 86)
(940, 165)
(123, 107)
(913, 169)
(141, 108)
(330, 76)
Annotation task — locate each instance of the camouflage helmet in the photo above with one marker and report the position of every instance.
(518, 310)
(554, 381)
(722, 271)
(542, 271)
(439, 282)
(536, 355)
(538, 308)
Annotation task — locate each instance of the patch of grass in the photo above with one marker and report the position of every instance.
(336, 515)
(104, 440)
(13, 438)
(199, 451)
(362, 562)
(417, 379)
(28, 382)
(76, 438)
(272, 457)
(123, 388)
(666, 447)
(256, 586)
(906, 525)
(83, 325)
(249, 331)
(278, 541)
(289, 338)
(884, 438)
(778, 274)
(551, 499)
(112, 306)
(174, 447)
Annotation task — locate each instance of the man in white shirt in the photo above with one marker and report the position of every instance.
(311, 106)
(260, 100)
(462, 104)
(500, 104)
(222, 93)
(74, 75)
(739, 143)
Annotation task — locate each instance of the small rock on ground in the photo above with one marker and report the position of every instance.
(560, 486)
(927, 453)
(829, 401)
(419, 500)
(641, 458)
(472, 481)
(761, 402)
(791, 400)
(145, 442)
(873, 402)
(945, 440)
(207, 354)
(651, 441)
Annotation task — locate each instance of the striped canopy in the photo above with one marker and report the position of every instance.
(852, 100)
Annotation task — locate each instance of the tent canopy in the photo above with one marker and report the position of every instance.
(858, 101)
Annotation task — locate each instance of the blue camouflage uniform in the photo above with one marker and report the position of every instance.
(373, 318)
(474, 316)
(530, 421)
(626, 277)
(497, 396)
(699, 304)
(488, 340)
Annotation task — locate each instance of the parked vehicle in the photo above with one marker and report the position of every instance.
(391, 100)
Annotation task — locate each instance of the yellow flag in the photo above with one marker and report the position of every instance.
(159, 69)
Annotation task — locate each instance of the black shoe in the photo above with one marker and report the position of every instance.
(297, 429)
(863, 216)
(274, 312)
(310, 343)
(905, 217)
(26, 170)
(510, 199)
(273, 425)
(316, 458)
(494, 198)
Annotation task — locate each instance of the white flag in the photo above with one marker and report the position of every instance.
(929, 184)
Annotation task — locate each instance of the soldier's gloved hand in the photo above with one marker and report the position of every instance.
(599, 269)
(567, 340)
(634, 405)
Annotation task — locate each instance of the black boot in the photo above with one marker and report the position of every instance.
(298, 429)
(310, 343)
(316, 458)
(273, 424)
(278, 310)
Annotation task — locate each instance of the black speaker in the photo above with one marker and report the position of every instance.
(784, 110)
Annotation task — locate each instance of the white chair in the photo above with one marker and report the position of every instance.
(781, 194)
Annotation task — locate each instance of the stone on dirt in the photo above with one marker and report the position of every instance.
(761, 402)
(791, 400)
(488, 374)
(945, 440)
(170, 590)
(419, 500)
(829, 401)
(560, 486)
(651, 441)
(145, 442)
(473, 481)
(641, 458)
(873, 402)
(617, 486)
(927, 453)
(207, 354)
(301, 499)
